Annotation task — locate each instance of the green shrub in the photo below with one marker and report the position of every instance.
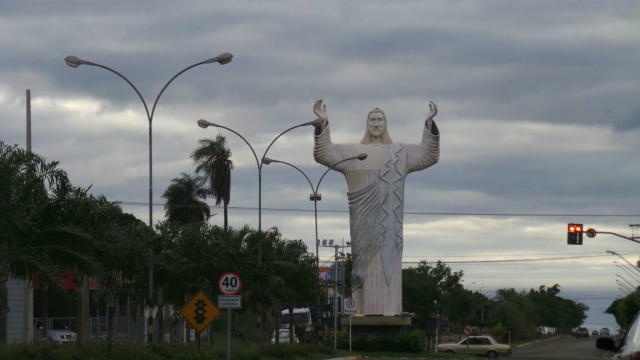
(411, 342)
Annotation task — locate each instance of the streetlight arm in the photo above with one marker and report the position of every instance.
(224, 58)
(267, 161)
(286, 131)
(625, 280)
(623, 258)
(594, 232)
(74, 62)
(635, 276)
(360, 157)
(204, 124)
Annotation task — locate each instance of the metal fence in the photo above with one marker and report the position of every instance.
(124, 328)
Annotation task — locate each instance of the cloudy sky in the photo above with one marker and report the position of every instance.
(538, 114)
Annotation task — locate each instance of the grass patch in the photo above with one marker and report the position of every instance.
(163, 351)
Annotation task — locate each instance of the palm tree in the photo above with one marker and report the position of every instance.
(31, 242)
(212, 160)
(183, 200)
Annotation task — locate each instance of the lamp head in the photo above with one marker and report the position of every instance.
(73, 61)
(221, 59)
(224, 58)
(204, 123)
(361, 156)
(266, 160)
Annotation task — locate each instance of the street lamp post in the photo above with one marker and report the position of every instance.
(315, 196)
(74, 62)
(635, 276)
(628, 282)
(620, 283)
(335, 288)
(623, 258)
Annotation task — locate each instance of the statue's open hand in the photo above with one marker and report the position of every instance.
(433, 111)
(321, 111)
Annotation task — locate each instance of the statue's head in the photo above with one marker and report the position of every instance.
(376, 131)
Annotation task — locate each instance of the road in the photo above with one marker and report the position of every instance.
(562, 348)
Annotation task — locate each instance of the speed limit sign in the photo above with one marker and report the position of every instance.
(468, 330)
(229, 284)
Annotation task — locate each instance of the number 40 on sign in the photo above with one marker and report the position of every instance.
(229, 284)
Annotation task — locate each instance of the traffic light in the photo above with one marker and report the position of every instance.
(574, 234)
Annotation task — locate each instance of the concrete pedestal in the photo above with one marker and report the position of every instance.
(362, 325)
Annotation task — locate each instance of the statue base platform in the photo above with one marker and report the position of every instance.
(378, 325)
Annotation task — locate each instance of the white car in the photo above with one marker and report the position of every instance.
(59, 334)
(477, 345)
(284, 337)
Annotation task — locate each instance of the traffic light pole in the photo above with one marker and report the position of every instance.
(592, 233)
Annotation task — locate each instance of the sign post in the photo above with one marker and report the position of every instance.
(350, 307)
(229, 285)
(200, 311)
(468, 330)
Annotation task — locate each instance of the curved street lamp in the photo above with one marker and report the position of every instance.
(205, 124)
(628, 282)
(629, 290)
(315, 196)
(634, 276)
(623, 258)
(74, 62)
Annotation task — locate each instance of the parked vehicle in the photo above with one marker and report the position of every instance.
(284, 337)
(477, 345)
(58, 333)
(301, 320)
(582, 332)
(629, 347)
(604, 331)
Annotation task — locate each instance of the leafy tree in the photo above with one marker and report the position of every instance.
(515, 311)
(122, 250)
(300, 275)
(426, 288)
(185, 203)
(625, 309)
(213, 160)
(433, 290)
(554, 311)
(30, 242)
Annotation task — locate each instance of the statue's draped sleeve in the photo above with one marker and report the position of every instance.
(327, 153)
(426, 153)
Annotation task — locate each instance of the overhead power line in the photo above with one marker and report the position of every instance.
(428, 213)
(509, 260)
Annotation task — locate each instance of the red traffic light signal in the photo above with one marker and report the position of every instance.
(574, 234)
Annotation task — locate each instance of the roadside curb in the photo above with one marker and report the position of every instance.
(537, 341)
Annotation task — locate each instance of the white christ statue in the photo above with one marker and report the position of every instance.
(376, 195)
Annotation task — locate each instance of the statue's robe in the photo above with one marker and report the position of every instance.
(376, 194)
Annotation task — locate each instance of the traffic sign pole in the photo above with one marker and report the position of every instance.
(229, 284)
